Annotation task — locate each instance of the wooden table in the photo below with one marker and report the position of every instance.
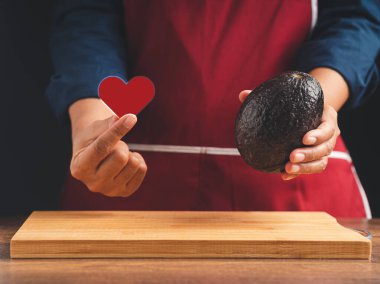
(188, 270)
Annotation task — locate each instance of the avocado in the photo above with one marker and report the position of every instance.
(274, 118)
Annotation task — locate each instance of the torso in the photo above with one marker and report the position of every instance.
(200, 55)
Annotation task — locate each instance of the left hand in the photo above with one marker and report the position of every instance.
(321, 142)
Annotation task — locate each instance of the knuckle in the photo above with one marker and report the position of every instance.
(101, 146)
(76, 171)
(143, 168)
(138, 155)
(313, 154)
(120, 130)
(134, 162)
(328, 148)
(305, 169)
(123, 146)
(129, 189)
(309, 169)
(121, 156)
(94, 187)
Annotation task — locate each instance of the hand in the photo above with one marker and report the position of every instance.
(100, 159)
(322, 141)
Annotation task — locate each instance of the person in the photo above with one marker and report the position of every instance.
(203, 56)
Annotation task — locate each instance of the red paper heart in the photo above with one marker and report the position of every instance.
(124, 97)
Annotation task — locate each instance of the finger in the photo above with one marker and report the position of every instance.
(329, 113)
(138, 156)
(101, 126)
(324, 132)
(128, 171)
(307, 168)
(115, 162)
(312, 153)
(286, 176)
(104, 144)
(99, 186)
(135, 181)
(243, 95)
(134, 168)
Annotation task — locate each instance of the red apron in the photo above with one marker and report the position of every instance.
(200, 55)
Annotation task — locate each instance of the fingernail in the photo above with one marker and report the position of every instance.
(294, 168)
(289, 177)
(299, 157)
(130, 120)
(311, 140)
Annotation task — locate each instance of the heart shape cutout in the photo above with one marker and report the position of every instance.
(126, 97)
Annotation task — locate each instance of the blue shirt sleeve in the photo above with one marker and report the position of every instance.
(346, 39)
(86, 46)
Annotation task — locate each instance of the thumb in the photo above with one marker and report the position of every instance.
(108, 122)
(101, 126)
(103, 145)
(243, 95)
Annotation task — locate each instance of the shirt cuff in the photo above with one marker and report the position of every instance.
(64, 91)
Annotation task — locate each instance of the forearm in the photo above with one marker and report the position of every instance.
(86, 46)
(345, 39)
(335, 88)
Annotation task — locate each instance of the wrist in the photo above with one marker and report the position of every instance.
(334, 86)
(84, 112)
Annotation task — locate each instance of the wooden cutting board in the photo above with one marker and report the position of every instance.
(85, 234)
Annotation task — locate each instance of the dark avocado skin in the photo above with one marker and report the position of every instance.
(274, 118)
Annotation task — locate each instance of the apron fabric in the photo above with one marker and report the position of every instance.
(200, 54)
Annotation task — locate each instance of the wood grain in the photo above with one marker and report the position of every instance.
(158, 270)
(137, 234)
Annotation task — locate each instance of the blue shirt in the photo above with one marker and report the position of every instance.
(87, 44)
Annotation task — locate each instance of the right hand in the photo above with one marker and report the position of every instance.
(100, 159)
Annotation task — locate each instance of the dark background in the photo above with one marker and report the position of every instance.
(34, 149)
